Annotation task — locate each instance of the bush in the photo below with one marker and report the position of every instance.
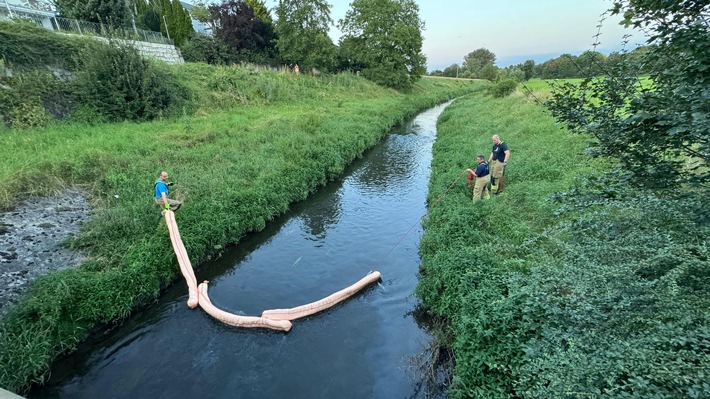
(25, 45)
(503, 88)
(121, 85)
(32, 99)
(207, 49)
(29, 116)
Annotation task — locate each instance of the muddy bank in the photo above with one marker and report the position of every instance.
(30, 241)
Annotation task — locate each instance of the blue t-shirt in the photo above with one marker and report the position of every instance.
(482, 169)
(160, 188)
(499, 151)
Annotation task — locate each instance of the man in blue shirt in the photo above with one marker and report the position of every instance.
(498, 160)
(161, 193)
(483, 178)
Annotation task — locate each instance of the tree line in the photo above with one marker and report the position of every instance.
(480, 64)
(381, 40)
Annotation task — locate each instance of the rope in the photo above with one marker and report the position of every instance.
(418, 221)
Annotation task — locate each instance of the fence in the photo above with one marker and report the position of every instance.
(86, 28)
(91, 28)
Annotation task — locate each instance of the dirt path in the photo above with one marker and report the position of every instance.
(30, 241)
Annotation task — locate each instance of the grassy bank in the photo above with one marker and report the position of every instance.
(595, 291)
(235, 168)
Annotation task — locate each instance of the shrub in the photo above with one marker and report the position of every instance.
(32, 98)
(29, 115)
(207, 49)
(25, 45)
(503, 88)
(122, 85)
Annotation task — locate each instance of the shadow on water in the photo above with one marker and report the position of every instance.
(366, 347)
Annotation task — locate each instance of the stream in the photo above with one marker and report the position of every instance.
(365, 347)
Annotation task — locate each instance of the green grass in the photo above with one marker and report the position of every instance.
(468, 249)
(569, 284)
(258, 142)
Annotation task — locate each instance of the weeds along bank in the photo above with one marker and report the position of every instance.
(235, 168)
(562, 286)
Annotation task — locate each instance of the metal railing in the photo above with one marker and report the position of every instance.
(92, 28)
(88, 28)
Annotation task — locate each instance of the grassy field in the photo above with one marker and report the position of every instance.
(467, 246)
(568, 284)
(259, 142)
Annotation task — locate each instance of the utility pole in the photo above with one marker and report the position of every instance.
(9, 11)
(133, 15)
(166, 26)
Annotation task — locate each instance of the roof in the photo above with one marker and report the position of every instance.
(187, 6)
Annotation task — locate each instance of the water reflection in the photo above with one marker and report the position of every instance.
(324, 213)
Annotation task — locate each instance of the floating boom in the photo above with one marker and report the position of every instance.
(183, 259)
(237, 320)
(323, 304)
(276, 319)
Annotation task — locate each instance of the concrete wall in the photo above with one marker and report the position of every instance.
(162, 52)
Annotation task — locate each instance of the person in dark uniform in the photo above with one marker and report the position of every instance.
(483, 178)
(498, 160)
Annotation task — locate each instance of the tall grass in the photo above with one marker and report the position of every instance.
(468, 249)
(237, 165)
(568, 284)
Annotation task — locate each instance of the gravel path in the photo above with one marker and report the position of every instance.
(30, 241)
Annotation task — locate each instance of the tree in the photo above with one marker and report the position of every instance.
(488, 72)
(564, 66)
(237, 26)
(528, 68)
(384, 36)
(451, 71)
(591, 63)
(260, 10)
(658, 131)
(201, 13)
(477, 59)
(179, 23)
(514, 72)
(148, 17)
(110, 12)
(302, 28)
(207, 49)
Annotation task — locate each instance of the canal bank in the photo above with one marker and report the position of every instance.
(361, 348)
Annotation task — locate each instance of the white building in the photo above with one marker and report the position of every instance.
(9, 9)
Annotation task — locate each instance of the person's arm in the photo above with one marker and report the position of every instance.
(507, 155)
(490, 158)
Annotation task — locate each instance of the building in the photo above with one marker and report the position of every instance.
(9, 9)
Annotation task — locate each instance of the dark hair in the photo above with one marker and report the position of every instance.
(480, 156)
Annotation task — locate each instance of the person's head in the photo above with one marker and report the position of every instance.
(479, 158)
(164, 176)
(496, 139)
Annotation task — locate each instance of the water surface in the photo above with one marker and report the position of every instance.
(362, 348)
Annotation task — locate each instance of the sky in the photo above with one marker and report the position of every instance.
(514, 30)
